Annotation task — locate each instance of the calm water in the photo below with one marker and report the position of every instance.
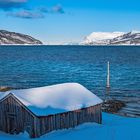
(25, 67)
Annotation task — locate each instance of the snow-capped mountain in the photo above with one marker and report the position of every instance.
(131, 38)
(114, 38)
(7, 37)
(98, 38)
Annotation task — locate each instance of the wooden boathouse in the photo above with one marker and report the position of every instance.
(41, 110)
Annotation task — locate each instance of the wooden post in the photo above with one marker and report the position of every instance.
(108, 75)
(108, 81)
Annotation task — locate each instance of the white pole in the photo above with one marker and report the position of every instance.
(108, 75)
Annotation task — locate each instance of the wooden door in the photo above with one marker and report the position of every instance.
(12, 123)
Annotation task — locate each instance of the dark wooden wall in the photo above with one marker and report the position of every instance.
(14, 118)
(70, 119)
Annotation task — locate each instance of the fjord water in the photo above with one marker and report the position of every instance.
(35, 66)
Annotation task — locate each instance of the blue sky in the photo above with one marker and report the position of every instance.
(60, 21)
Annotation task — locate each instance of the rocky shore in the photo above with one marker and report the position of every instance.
(112, 106)
(4, 88)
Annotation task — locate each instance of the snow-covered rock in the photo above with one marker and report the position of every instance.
(55, 99)
(7, 37)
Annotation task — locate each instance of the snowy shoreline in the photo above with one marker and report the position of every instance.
(114, 127)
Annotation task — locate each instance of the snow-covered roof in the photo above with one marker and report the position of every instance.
(56, 98)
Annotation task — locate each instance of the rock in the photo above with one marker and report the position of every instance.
(4, 88)
(112, 106)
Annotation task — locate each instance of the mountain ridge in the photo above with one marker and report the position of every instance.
(13, 38)
(113, 38)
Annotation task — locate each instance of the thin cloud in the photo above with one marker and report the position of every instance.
(55, 9)
(21, 9)
(43, 9)
(26, 14)
(11, 4)
(58, 9)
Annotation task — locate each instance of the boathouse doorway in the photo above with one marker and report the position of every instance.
(11, 119)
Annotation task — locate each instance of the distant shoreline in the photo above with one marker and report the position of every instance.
(5, 45)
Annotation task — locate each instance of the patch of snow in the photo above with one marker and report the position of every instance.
(55, 99)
